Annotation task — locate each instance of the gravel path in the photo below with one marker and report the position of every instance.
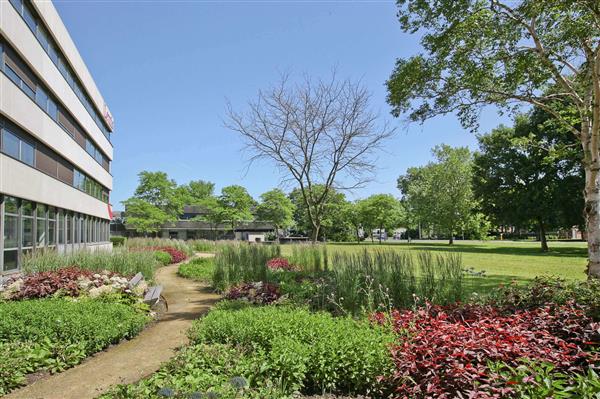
(135, 359)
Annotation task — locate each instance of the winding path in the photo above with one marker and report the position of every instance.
(131, 360)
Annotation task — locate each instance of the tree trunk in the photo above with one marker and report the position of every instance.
(357, 235)
(543, 240)
(380, 228)
(451, 240)
(592, 216)
(315, 234)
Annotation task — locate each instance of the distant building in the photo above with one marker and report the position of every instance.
(55, 148)
(188, 227)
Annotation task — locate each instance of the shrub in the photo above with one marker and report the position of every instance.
(141, 243)
(205, 371)
(313, 352)
(177, 256)
(54, 334)
(258, 293)
(120, 260)
(163, 257)
(200, 269)
(277, 264)
(70, 281)
(447, 353)
(546, 290)
(118, 241)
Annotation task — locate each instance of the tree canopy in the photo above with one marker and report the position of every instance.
(277, 208)
(508, 54)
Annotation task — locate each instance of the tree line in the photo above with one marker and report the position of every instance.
(159, 200)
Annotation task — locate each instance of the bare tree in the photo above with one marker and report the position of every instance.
(321, 134)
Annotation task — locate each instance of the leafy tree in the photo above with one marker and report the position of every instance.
(157, 189)
(277, 208)
(214, 214)
(508, 53)
(529, 174)
(197, 191)
(440, 193)
(334, 223)
(235, 205)
(144, 217)
(381, 211)
(322, 134)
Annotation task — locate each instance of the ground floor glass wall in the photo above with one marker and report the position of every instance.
(28, 226)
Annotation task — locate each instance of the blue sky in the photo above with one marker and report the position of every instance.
(167, 68)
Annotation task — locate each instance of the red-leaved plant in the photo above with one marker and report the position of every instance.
(280, 264)
(177, 256)
(444, 352)
(257, 292)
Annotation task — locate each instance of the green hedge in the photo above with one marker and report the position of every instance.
(118, 241)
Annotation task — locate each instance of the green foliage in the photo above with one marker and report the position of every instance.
(535, 165)
(548, 290)
(333, 220)
(156, 189)
(200, 269)
(309, 257)
(440, 194)
(380, 211)
(236, 263)
(369, 281)
(236, 204)
(118, 241)
(540, 381)
(202, 245)
(55, 334)
(162, 257)
(196, 192)
(313, 352)
(277, 208)
(119, 260)
(142, 243)
(144, 217)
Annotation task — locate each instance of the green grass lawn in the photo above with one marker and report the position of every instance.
(503, 261)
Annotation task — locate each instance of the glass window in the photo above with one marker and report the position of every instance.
(12, 75)
(62, 67)
(61, 228)
(52, 53)
(89, 147)
(27, 232)
(29, 18)
(69, 228)
(10, 231)
(11, 205)
(41, 211)
(41, 98)
(28, 90)
(18, 4)
(76, 229)
(27, 208)
(42, 36)
(27, 153)
(10, 144)
(51, 232)
(52, 109)
(41, 232)
(10, 259)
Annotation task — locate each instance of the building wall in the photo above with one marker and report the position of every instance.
(37, 209)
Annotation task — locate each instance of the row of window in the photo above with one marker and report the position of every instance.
(17, 144)
(21, 75)
(28, 226)
(49, 45)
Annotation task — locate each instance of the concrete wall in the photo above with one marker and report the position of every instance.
(22, 181)
(14, 29)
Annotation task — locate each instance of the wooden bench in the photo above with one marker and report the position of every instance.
(153, 295)
(136, 280)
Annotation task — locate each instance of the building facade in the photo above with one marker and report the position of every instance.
(55, 148)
